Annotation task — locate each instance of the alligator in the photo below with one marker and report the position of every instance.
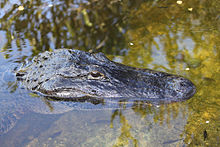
(67, 79)
(69, 74)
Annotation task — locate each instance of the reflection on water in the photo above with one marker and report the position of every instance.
(181, 38)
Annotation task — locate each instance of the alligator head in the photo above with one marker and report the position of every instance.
(67, 73)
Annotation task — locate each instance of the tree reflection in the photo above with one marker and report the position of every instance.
(162, 35)
(125, 136)
(163, 114)
(89, 25)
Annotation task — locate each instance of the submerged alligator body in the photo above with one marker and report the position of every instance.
(73, 74)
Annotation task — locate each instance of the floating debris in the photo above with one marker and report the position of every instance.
(50, 5)
(190, 9)
(131, 43)
(86, 18)
(179, 2)
(21, 8)
(205, 134)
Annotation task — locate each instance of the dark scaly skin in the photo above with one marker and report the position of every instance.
(15, 103)
(72, 74)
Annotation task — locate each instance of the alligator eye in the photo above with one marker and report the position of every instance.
(95, 75)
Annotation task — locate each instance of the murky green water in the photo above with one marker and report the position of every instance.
(180, 37)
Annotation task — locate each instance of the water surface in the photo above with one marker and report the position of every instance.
(176, 37)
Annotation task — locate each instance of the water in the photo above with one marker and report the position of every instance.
(162, 35)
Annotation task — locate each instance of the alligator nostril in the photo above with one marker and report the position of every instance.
(192, 89)
(188, 87)
(180, 87)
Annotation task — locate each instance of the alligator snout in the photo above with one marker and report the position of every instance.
(179, 87)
